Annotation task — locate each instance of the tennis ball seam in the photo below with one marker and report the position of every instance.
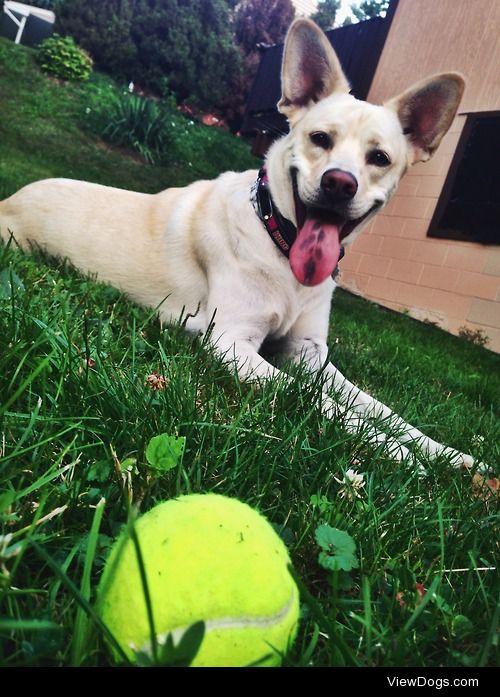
(229, 623)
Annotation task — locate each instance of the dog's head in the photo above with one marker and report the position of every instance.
(345, 157)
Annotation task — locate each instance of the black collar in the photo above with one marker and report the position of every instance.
(281, 230)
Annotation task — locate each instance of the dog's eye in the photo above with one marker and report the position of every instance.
(321, 140)
(379, 158)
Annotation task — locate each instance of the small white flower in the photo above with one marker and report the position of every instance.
(356, 479)
(352, 483)
(131, 86)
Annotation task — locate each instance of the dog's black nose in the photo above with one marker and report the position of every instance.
(339, 185)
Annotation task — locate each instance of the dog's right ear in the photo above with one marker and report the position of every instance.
(310, 71)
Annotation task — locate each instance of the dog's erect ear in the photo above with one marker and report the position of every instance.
(311, 69)
(426, 111)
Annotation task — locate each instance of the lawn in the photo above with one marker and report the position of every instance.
(78, 409)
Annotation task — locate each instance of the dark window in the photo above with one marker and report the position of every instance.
(469, 206)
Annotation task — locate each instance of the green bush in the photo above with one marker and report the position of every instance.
(188, 41)
(61, 57)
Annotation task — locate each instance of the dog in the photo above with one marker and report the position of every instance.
(250, 256)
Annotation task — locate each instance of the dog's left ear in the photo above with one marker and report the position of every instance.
(426, 111)
(310, 71)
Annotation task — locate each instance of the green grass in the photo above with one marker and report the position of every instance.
(44, 132)
(76, 416)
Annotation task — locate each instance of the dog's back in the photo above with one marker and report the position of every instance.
(151, 246)
(73, 219)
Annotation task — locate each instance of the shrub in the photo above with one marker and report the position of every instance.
(188, 41)
(61, 57)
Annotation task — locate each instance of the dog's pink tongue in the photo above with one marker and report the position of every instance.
(316, 251)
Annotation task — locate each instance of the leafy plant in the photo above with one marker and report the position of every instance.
(138, 123)
(164, 452)
(175, 655)
(322, 503)
(61, 57)
(159, 133)
(338, 549)
(146, 40)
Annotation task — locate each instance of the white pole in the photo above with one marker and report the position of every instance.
(19, 34)
(19, 22)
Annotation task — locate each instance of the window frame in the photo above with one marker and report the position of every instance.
(435, 231)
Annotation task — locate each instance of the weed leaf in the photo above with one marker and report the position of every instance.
(338, 549)
(175, 655)
(164, 452)
(189, 644)
(9, 283)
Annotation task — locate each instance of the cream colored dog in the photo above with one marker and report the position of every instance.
(203, 252)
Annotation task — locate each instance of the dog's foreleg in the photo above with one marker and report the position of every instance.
(314, 353)
(369, 407)
(356, 424)
(243, 354)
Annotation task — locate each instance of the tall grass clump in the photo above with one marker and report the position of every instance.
(162, 135)
(138, 123)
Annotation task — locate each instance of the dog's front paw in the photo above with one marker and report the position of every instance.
(467, 462)
(459, 460)
(483, 468)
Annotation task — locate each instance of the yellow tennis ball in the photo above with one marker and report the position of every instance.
(207, 557)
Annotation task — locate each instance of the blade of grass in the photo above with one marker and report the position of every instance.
(26, 383)
(422, 605)
(145, 588)
(11, 625)
(81, 631)
(367, 605)
(491, 637)
(441, 534)
(78, 597)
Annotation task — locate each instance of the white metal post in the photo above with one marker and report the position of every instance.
(20, 23)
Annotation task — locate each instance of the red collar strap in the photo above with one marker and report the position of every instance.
(281, 230)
